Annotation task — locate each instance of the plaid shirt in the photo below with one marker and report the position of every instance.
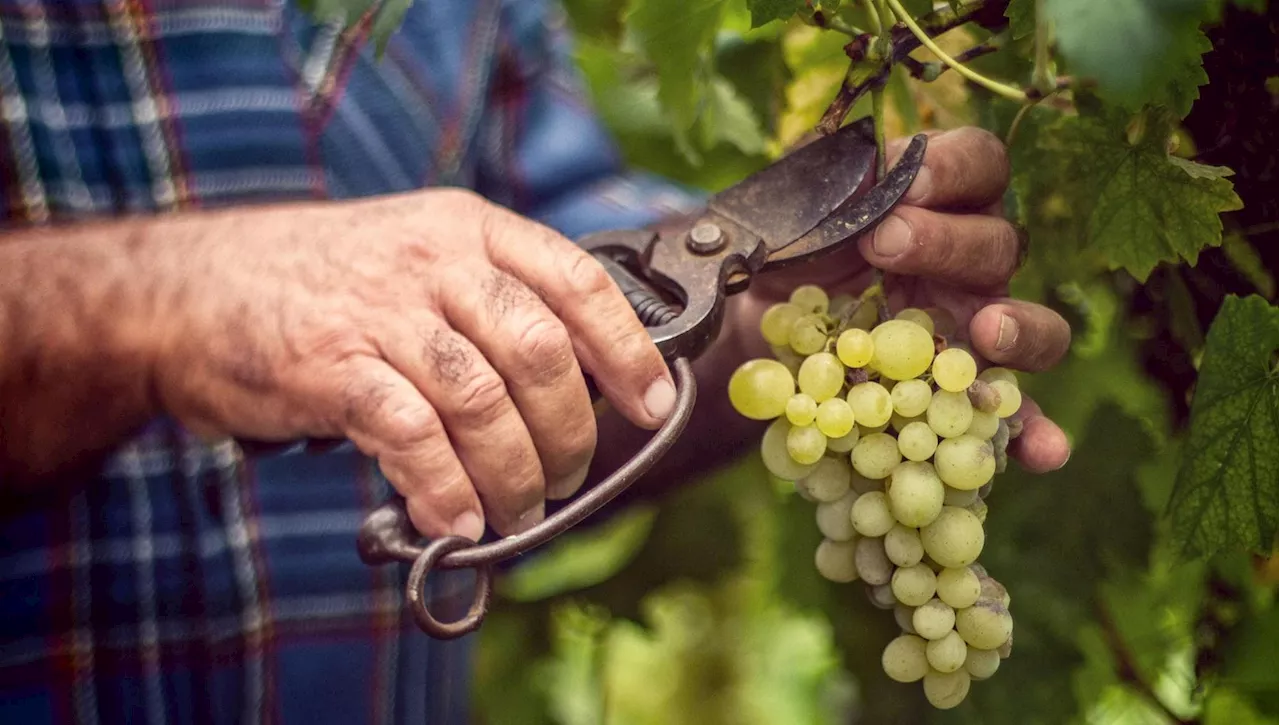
(189, 584)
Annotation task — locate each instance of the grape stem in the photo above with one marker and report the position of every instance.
(1001, 89)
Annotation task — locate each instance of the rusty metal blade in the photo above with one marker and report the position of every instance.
(790, 197)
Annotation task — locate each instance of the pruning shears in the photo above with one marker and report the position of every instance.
(805, 205)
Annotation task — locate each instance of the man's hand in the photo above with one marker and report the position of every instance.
(444, 336)
(948, 246)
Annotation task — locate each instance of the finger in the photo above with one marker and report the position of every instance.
(1042, 446)
(389, 420)
(1020, 335)
(607, 336)
(964, 168)
(530, 348)
(972, 251)
(482, 422)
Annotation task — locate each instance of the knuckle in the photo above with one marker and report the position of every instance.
(483, 398)
(576, 443)
(991, 148)
(585, 277)
(544, 344)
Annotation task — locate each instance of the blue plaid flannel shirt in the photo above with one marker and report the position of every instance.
(189, 583)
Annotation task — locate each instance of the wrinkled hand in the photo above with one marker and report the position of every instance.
(443, 335)
(948, 245)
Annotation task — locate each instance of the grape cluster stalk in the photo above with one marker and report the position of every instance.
(891, 430)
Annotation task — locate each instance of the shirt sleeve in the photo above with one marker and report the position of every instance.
(544, 152)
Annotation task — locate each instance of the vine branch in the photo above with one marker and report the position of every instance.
(996, 87)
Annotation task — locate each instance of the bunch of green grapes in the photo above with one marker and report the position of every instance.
(896, 436)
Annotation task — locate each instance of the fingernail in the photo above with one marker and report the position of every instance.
(660, 399)
(921, 187)
(569, 485)
(1064, 461)
(1008, 332)
(469, 525)
(530, 519)
(893, 235)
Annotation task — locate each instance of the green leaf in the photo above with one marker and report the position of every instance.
(386, 21)
(1022, 18)
(1139, 51)
(1225, 495)
(766, 11)
(727, 117)
(1141, 206)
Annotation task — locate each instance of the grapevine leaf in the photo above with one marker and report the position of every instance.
(1225, 494)
(1141, 206)
(1139, 51)
(1022, 18)
(766, 11)
(728, 117)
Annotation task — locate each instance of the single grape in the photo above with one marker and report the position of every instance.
(992, 374)
(897, 421)
(862, 484)
(917, 441)
(835, 419)
(933, 619)
(875, 455)
(965, 462)
(911, 397)
(903, 350)
(854, 347)
(870, 514)
(978, 508)
(958, 587)
(811, 298)
(902, 546)
(774, 455)
(759, 389)
(821, 376)
(834, 561)
(915, 493)
(828, 480)
(801, 491)
(833, 518)
(914, 585)
(983, 425)
(992, 590)
(801, 409)
(985, 491)
(864, 316)
(785, 355)
(918, 316)
(776, 322)
(980, 663)
(806, 444)
(985, 625)
(874, 567)
(871, 404)
(840, 304)
(1005, 649)
(949, 414)
(808, 334)
(865, 430)
(846, 442)
(902, 616)
(1010, 398)
(955, 538)
(954, 369)
(904, 659)
(983, 397)
(945, 690)
(957, 497)
(881, 597)
(947, 654)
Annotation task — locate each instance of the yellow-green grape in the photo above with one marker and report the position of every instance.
(833, 517)
(865, 316)
(855, 347)
(870, 514)
(881, 597)
(774, 455)
(990, 375)
(947, 654)
(897, 421)
(954, 370)
(785, 355)
(871, 404)
(834, 418)
(957, 497)
(806, 444)
(949, 414)
(985, 625)
(914, 585)
(846, 442)
(945, 690)
(829, 479)
(933, 619)
(801, 409)
(862, 484)
(918, 316)
(1010, 398)
(902, 546)
(992, 590)
(868, 430)
(953, 539)
(904, 660)
(834, 561)
(776, 322)
(915, 493)
(902, 617)
(821, 376)
(978, 508)
(874, 567)
(958, 587)
(981, 664)
(875, 455)
(965, 462)
(917, 441)
(808, 334)
(759, 389)
(903, 350)
(983, 425)
(841, 304)
(911, 397)
(811, 298)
